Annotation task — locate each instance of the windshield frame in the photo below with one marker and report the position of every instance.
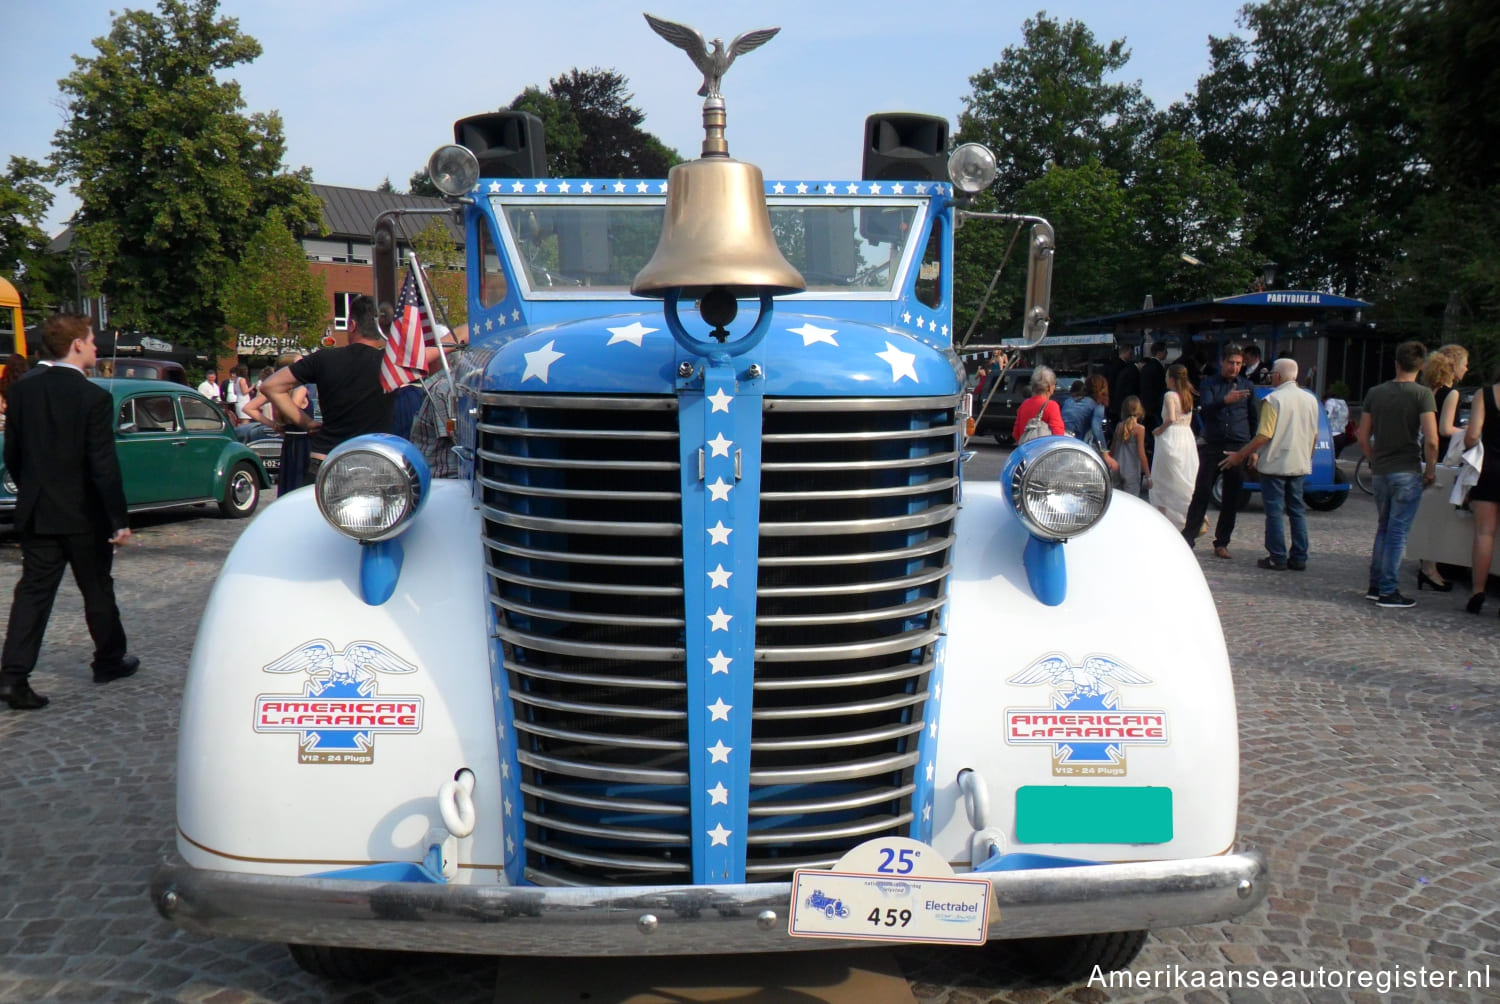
(497, 205)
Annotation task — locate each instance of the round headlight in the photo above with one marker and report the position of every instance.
(9, 483)
(453, 169)
(1060, 487)
(371, 485)
(972, 168)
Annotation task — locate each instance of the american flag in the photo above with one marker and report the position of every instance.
(405, 359)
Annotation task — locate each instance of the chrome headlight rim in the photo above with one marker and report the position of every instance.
(8, 483)
(453, 169)
(1027, 468)
(972, 168)
(409, 477)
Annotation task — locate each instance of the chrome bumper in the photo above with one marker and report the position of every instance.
(671, 920)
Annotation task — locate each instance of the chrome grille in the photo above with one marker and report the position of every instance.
(858, 498)
(582, 512)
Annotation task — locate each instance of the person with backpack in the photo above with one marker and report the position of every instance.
(1039, 415)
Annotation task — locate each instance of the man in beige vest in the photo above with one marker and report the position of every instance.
(1285, 439)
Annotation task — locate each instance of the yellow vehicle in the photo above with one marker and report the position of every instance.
(12, 328)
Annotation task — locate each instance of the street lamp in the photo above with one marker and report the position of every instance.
(1268, 274)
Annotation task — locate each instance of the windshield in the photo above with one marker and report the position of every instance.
(858, 247)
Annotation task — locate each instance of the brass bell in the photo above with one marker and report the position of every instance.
(717, 233)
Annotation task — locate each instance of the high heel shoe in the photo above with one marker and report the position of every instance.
(1476, 602)
(1425, 581)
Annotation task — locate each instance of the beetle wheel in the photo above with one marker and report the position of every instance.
(241, 492)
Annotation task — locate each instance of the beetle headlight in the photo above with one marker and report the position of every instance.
(9, 483)
(369, 487)
(453, 169)
(1059, 487)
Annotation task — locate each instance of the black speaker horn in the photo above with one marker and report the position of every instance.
(508, 144)
(906, 147)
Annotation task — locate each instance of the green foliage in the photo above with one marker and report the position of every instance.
(271, 291)
(24, 201)
(386, 186)
(421, 184)
(592, 129)
(442, 264)
(173, 178)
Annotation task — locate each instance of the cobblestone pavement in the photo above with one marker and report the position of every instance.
(1369, 741)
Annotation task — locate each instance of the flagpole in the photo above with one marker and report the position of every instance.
(433, 312)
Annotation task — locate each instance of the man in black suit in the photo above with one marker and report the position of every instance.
(70, 511)
(1153, 389)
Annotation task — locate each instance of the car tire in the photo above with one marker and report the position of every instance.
(350, 965)
(241, 492)
(1327, 501)
(1072, 958)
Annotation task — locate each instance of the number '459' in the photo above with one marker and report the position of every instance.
(892, 918)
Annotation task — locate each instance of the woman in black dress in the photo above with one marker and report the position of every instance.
(1484, 497)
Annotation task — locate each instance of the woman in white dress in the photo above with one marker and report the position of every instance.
(1174, 469)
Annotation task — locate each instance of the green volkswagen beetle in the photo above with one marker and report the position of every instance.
(176, 448)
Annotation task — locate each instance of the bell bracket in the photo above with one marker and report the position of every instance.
(718, 349)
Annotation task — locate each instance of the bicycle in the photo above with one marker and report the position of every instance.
(1362, 476)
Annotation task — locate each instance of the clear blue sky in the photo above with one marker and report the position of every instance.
(367, 89)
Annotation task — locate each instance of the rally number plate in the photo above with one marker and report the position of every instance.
(885, 907)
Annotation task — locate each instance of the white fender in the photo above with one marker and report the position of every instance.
(1135, 594)
(250, 797)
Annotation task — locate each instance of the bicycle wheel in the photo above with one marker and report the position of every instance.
(1362, 476)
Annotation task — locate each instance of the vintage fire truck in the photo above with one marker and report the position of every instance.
(710, 648)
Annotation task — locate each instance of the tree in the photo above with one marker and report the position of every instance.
(386, 186)
(443, 265)
(271, 291)
(592, 129)
(40, 278)
(172, 178)
(421, 184)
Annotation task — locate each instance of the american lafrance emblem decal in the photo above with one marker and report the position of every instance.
(340, 708)
(1086, 726)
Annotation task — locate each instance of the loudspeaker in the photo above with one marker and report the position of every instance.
(904, 147)
(508, 144)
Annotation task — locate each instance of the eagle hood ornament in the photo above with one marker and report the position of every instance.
(712, 60)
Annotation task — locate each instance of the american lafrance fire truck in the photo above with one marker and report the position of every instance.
(710, 648)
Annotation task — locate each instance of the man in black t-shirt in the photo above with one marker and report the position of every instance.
(348, 382)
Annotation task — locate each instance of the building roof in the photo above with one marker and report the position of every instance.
(351, 212)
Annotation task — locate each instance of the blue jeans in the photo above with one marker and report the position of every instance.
(1283, 497)
(1397, 497)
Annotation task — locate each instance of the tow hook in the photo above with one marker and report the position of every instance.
(455, 801)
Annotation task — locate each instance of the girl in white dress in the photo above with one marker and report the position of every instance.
(1175, 466)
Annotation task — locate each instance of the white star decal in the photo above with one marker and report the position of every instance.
(642, 187)
(720, 533)
(937, 692)
(833, 189)
(898, 189)
(718, 835)
(563, 186)
(901, 363)
(945, 331)
(778, 188)
(489, 324)
(718, 794)
(505, 769)
(719, 446)
(906, 317)
(926, 813)
(719, 752)
(719, 711)
(720, 620)
(515, 315)
(506, 803)
(518, 186)
(587, 188)
(500, 729)
(497, 691)
(719, 577)
(852, 188)
(501, 320)
(929, 772)
(619, 186)
(720, 401)
(812, 333)
(494, 186)
(932, 730)
(541, 186)
(922, 189)
(662, 187)
(874, 189)
(801, 188)
(510, 847)
(719, 490)
(633, 333)
(540, 361)
(720, 662)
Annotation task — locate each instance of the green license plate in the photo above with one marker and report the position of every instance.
(1078, 814)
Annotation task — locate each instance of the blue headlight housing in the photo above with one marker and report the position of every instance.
(1059, 487)
(370, 487)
